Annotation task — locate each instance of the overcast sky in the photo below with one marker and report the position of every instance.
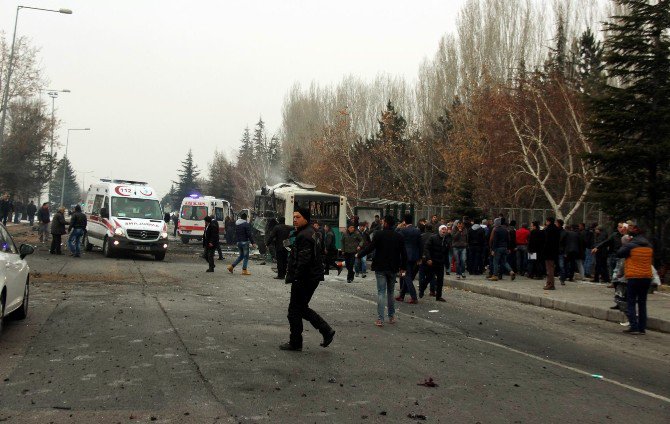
(154, 78)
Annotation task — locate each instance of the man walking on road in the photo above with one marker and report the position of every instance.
(390, 258)
(244, 240)
(351, 244)
(210, 241)
(77, 228)
(305, 272)
(412, 238)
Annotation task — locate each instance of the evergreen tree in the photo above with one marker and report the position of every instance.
(220, 178)
(589, 62)
(557, 65)
(631, 120)
(464, 204)
(260, 141)
(170, 198)
(246, 151)
(188, 176)
(72, 193)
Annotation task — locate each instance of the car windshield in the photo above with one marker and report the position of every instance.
(193, 213)
(127, 207)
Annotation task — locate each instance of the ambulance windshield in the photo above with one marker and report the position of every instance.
(127, 207)
(193, 213)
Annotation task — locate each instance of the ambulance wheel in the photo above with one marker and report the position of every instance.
(87, 246)
(185, 240)
(159, 256)
(107, 248)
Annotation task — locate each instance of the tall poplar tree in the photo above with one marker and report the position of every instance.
(630, 123)
(188, 176)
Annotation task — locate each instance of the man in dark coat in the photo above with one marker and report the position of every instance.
(210, 241)
(31, 210)
(389, 259)
(435, 253)
(57, 231)
(305, 272)
(412, 237)
(279, 233)
(43, 218)
(570, 245)
(550, 251)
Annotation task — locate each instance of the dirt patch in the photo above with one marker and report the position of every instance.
(47, 277)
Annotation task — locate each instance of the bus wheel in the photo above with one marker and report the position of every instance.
(87, 246)
(185, 240)
(107, 248)
(159, 256)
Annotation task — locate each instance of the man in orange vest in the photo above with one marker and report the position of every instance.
(638, 254)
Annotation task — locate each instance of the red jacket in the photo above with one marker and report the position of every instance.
(522, 235)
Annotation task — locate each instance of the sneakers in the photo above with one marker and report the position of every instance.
(458, 276)
(494, 278)
(399, 299)
(463, 276)
(289, 346)
(245, 272)
(364, 275)
(230, 268)
(328, 339)
(379, 323)
(549, 287)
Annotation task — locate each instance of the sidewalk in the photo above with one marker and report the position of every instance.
(582, 298)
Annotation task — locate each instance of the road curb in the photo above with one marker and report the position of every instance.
(558, 304)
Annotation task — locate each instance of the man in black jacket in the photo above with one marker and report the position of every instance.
(210, 241)
(390, 258)
(305, 272)
(77, 229)
(276, 237)
(435, 253)
(31, 210)
(330, 251)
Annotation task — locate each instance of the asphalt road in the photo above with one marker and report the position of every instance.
(133, 340)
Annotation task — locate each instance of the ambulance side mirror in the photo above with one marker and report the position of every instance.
(104, 213)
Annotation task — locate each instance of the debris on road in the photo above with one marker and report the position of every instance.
(428, 383)
(598, 376)
(416, 416)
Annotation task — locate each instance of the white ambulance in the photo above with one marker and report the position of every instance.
(193, 211)
(125, 215)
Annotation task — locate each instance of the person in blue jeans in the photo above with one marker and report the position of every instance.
(77, 228)
(459, 243)
(244, 240)
(390, 260)
(499, 250)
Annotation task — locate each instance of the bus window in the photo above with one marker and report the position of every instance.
(321, 210)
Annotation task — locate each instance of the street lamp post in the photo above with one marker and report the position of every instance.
(67, 141)
(5, 95)
(53, 94)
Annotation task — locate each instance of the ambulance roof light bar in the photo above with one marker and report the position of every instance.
(107, 180)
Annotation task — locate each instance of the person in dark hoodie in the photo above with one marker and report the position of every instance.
(500, 248)
(244, 241)
(304, 273)
(639, 255)
(550, 251)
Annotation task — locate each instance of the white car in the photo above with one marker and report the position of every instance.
(14, 277)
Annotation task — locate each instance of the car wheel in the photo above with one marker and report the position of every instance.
(185, 240)
(87, 246)
(22, 312)
(107, 248)
(159, 256)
